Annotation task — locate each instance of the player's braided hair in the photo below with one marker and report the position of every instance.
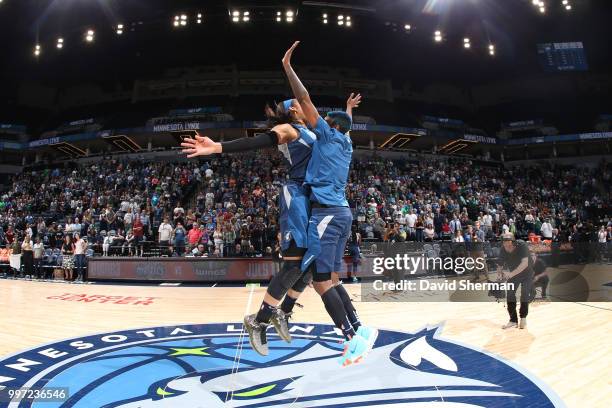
(277, 116)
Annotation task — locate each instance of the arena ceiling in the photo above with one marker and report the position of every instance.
(377, 41)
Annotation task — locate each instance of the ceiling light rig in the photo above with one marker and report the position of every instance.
(238, 16)
(180, 21)
(289, 16)
(345, 21)
(341, 19)
(566, 5)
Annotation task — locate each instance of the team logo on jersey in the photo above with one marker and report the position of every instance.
(212, 365)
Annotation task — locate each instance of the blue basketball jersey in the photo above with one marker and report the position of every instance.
(297, 153)
(328, 170)
(294, 200)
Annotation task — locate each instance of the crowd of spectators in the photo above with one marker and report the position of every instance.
(226, 206)
(426, 200)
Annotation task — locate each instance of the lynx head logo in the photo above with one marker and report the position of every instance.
(213, 366)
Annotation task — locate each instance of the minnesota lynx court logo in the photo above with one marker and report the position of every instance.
(213, 366)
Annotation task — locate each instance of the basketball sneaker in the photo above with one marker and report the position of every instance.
(257, 334)
(369, 334)
(280, 320)
(355, 350)
(523, 323)
(510, 325)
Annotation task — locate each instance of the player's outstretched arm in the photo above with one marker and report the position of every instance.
(299, 90)
(352, 102)
(205, 146)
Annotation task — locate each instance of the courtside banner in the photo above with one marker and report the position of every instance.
(189, 269)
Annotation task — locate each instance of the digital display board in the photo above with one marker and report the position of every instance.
(562, 57)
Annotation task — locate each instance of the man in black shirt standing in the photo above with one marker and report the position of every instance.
(515, 256)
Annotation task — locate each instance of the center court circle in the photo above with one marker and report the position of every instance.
(212, 365)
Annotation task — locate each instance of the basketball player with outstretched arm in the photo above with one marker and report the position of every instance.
(295, 141)
(331, 218)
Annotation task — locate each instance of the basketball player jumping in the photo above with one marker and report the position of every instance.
(295, 141)
(331, 219)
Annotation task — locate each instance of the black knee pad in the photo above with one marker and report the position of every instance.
(289, 274)
(293, 251)
(303, 281)
(321, 277)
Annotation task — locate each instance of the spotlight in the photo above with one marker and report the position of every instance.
(407, 27)
(535, 2)
(565, 2)
(289, 16)
(89, 37)
(438, 36)
(246, 16)
(491, 49)
(60, 43)
(199, 18)
(119, 29)
(324, 18)
(542, 9)
(568, 7)
(37, 48)
(466, 43)
(344, 20)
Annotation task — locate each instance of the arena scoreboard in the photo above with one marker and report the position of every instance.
(561, 57)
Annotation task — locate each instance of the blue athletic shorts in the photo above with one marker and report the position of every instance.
(294, 215)
(328, 231)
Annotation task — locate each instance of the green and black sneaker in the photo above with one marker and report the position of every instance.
(280, 320)
(257, 334)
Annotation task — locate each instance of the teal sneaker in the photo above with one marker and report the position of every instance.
(370, 334)
(354, 351)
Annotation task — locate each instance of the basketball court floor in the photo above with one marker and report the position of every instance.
(139, 346)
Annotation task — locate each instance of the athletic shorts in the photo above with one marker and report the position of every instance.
(328, 232)
(294, 215)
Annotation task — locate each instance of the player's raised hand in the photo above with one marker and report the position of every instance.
(353, 101)
(289, 53)
(200, 146)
